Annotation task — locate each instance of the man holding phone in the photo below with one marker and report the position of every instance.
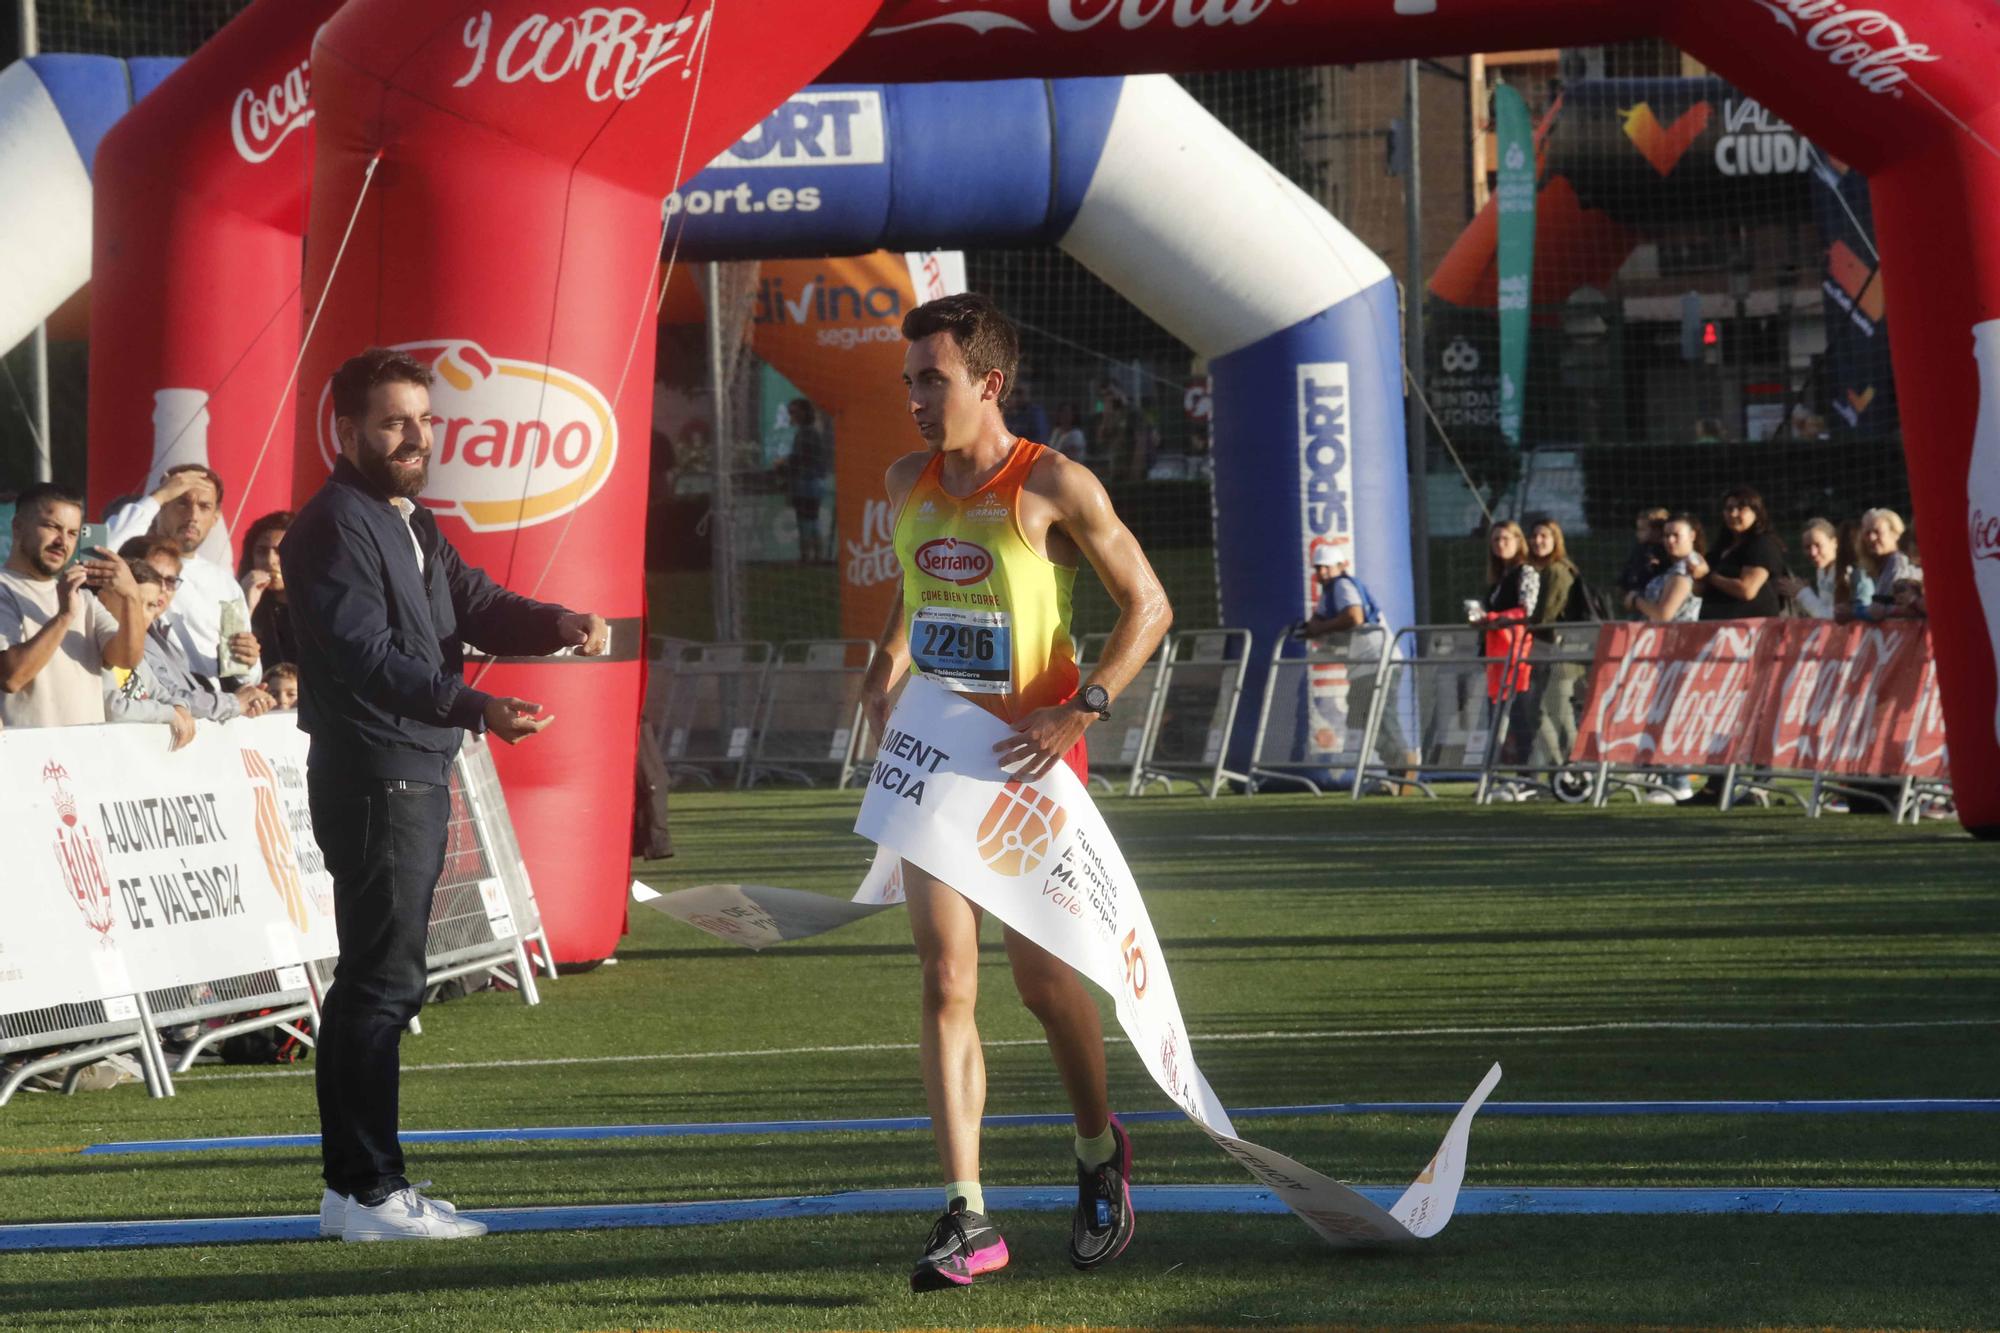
(383, 606)
(62, 622)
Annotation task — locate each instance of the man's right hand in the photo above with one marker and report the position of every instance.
(254, 701)
(174, 485)
(514, 720)
(66, 586)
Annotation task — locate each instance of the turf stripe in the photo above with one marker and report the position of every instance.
(1035, 1198)
(1334, 1034)
(726, 1128)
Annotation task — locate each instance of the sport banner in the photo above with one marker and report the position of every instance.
(132, 867)
(1853, 700)
(1515, 191)
(1039, 857)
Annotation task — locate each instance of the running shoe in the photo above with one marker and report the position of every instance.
(1102, 1225)
(962, 1245)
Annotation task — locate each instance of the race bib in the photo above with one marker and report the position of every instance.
(968, 651)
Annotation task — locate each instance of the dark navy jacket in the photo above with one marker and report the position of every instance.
(381, 656)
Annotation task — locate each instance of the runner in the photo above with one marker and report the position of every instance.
(988, 531)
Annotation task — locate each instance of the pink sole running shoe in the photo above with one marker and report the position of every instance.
(962, 1246)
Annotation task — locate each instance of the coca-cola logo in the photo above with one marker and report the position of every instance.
(1678, 701)
(259, 122)
(952, 560)
(1084, 15)
(1985, 535)
(616, 52)
(516, 443)
(1868, 44)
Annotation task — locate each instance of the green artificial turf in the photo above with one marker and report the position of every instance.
(1322, 951)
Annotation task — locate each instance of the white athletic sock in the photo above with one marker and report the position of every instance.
(968, 1190)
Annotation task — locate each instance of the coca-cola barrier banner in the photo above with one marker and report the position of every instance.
(1854, 700)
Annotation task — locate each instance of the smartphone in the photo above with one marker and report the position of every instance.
(90, 537)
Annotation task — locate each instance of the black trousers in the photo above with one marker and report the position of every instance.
(384, 844)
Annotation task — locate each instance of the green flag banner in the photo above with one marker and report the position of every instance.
(1516, 206)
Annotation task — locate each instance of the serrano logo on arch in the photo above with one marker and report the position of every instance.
(517, 443)
(953, 560)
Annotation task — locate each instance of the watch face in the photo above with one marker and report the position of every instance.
(1096, 698)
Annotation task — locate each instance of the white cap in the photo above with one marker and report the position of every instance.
(1331, 551)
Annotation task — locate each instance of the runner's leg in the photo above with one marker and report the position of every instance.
(1057, 996)
(946, 929)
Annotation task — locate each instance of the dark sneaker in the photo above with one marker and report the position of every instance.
(962, 1246)
(1102, 1225)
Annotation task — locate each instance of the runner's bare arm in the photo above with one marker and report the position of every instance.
(892, 655)
(1085, 514)
(1081, 513)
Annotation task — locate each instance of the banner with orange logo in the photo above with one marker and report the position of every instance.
(834, 328)
(135, 868)
(1038, 856)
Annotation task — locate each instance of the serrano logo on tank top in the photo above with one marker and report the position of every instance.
(953, 561)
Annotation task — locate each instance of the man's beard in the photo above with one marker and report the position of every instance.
(46, 562)
(392, 484)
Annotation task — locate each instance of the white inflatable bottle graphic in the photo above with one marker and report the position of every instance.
(180, 435)
(1982, 489)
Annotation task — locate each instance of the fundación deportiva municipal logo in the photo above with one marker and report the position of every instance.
(1019, 829)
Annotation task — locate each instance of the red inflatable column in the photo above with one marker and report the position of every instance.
(198, 216)
(510, 234)
(1934, 217)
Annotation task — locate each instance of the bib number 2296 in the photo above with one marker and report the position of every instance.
(968, 651)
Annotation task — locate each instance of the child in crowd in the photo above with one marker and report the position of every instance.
(1649, 553)
(282, 681)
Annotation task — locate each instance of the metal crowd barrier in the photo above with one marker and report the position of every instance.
(1543, 719)
(1443, 675)
(273, 998)
(85, 1033)
(809, 718)
(1116, 744)
(1201, 687)
(708, 712)
(503, 851)
(473, 927)
(1321, 712)
(1639, 670)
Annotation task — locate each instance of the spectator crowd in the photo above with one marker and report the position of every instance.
(157, 623)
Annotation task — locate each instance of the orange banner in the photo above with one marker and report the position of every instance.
(833, 327)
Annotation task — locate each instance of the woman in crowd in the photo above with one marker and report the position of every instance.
(1830, 587)
(1884, 560)
(1513, 592)
(1740, 582)
(264, 587)
(1549, 714)
(1067, 437)
(1671, 595)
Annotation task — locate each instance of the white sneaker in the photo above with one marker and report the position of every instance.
(407, 1215)
(1682, 790)
(1657, 796)
(332, 1214)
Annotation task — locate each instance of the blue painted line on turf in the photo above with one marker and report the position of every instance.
(700, 1129)
(1207, 1199)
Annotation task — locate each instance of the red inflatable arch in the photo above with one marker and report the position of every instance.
(524, 147)
(199, 213)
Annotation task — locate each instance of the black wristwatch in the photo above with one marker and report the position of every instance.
(1095, 699)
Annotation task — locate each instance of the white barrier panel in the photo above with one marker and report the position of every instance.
(133, 868)
(1040, 858)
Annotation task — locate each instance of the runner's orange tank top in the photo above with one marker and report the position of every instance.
(986, 614)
